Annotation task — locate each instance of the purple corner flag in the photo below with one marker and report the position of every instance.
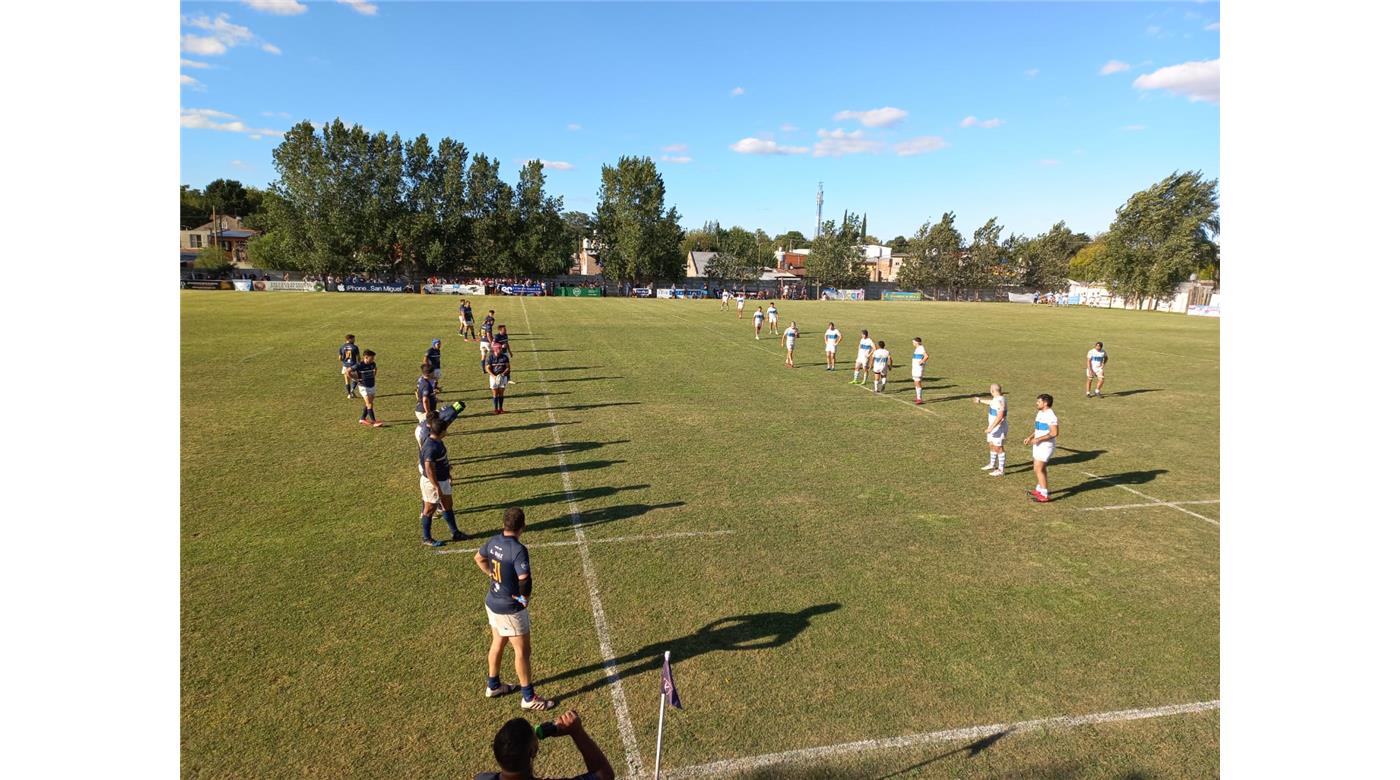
(668, 683)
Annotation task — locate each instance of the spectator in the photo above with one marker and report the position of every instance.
(516, 745)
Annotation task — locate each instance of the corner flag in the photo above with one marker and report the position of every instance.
(668, 683)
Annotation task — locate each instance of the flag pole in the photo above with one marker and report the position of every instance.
(661, 725)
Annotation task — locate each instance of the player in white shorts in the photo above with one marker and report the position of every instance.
(790, 340)
(757, 323)
(996, 431)
(1042, 441)
(916, 367)
(772, 319)
(724, 300)
(880, 364)
(1093, 367)
(739, 304)
(863, 350)
(833, 337)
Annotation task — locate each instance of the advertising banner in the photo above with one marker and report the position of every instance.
(521, 289)
(831, 294)
(1021, 297)
(579, 292)
(641, 292)
(1203, 311)
(289, 286)
(901, 295)
(243, 285)
(456, 289)
(666, 292)
(375, 288)
(205, 284)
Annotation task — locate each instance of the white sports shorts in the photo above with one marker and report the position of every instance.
(831, 349)
(917, 370)
(860, 362)
(509, 624)
(995, 438)
(1043, 451)
(437, 375)
(421, 416)
(484, 349)
(366, 392)
(1092, 372)
(431, 496)
(498, 381)
(772, 318)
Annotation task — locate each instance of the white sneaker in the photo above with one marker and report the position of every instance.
(989, 467)
(539, 703)
(995, 473)
(503, 690)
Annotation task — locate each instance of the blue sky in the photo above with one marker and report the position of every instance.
(1031, 112)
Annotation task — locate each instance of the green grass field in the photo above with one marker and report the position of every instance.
(850, 574)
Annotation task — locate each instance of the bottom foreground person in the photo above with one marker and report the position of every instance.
(516, 745)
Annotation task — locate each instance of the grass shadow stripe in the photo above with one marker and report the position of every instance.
(1155, 501)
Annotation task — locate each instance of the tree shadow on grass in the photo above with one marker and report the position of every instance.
(565, 368)
(1075, 456)
(563, 448)
(580, 407)
(539, 471)
(971, 750)
(527, 427)
(1133, 392)
(602, 515)
(513, 351)
(580, 379)
(1126, 478)
(556, 497)
(756, 631)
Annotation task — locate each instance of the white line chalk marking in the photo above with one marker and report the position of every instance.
(738, 765)
(600, 622)
(574, 542)
(1140, 506)
(1155, 501)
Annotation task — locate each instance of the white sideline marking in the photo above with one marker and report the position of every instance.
(1139, 506)
(1155, 501)
(736, 765)
(600, 621)
(637, 538)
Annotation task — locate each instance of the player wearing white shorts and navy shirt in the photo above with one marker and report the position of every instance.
(364, 374)
(996, 431)
(833, 337)
(916, 368)
(349, 356)
(1093, 367)
(880, 364)
(435, 484)
(506, 562)
(433, 358)
(1042, 441)
(863, 350)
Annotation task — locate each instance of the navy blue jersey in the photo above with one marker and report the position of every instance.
(426, 390)
(365, 372)
(488, 323)
(503, 340)
(466, 311)
(349, 355)
(435, 452)
(434, 356)
(509, 561)
(498, 362)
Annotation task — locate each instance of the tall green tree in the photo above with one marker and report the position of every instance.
(793, 239)
(1045, 261)
(639, 237)
(490, 207)
(984, 257)
(836, 260)
(1161, 236)
(543, 244)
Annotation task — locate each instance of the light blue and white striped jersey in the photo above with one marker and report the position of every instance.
(919, 353)
(1096, 357)
(866, 344)
(996, 405)
(832, 335)
(1043, 420)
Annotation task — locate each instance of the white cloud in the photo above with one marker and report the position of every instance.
(282, 114)
(1213, 26)
(1134, 128)
(676, 149)
(278, 7)
(222, 36)
(555, 165)
(238, 164)
(875, 117)
(361, 7)
(920, 145)
(972, 121)
(1113, 66)
(1049, 163)
(835, 143)
(270, 49)
(573, 126)
(1032, 72)
(737, 91)
(208, 119)
(191, 82)
(201, 45)
(679, 159)
(184, 63)
(788, 127)
(1199, 81)
(764, 146)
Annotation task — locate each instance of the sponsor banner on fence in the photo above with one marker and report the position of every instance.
(205, 284)
(456, 289)
(901, 295)
(290, 286)
(831, 294)
(1021, 297)
(521, 289)
(641, 292)
(1203, 311)
(579, 292)
(243, 285)
(374, 288)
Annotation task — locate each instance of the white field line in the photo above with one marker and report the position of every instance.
(575, 542)
(1155, 501)
(738, 765)
(1140, 506)
(600, 621)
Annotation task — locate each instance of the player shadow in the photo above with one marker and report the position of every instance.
(527, 427)
(601, 515)
(971, 749)
(1075, 456)
(563, 448)
(582, 379)
(910, 382)
(539, 471)
(1133, 392)
(565, 368)
(580, 407)
(543, 350)
(755, 631)
(1099, 483)
(556, 497)
(961, 397)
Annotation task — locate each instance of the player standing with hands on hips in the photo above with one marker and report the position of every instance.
(507, 563)
(916, 368)
(1042, 441)
(833, 337)
(1093, 367)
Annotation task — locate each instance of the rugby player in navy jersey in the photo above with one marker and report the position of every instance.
(433, 359)
(498, 368)
(507, 563)
(466, 323)
(489, 322)
(426, 392)
(364, 373)
(349, 356)
(435, 484)
(504, 340)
